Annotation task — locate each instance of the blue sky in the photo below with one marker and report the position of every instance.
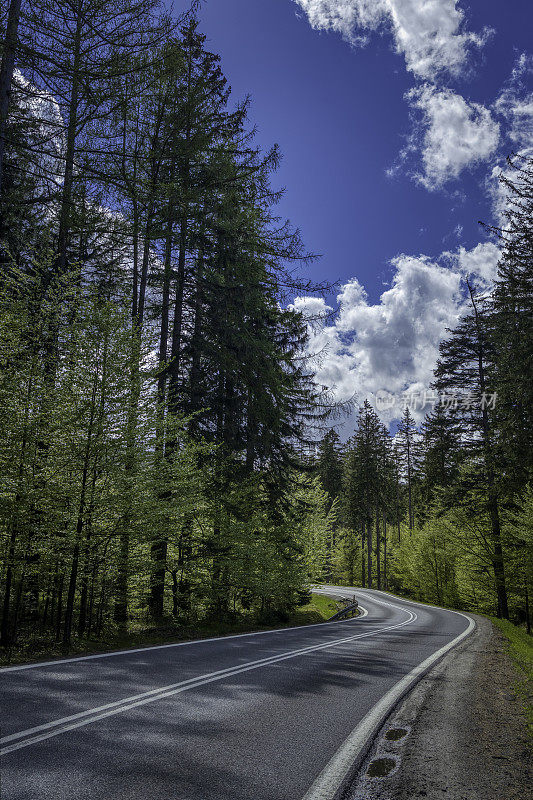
(389, 148)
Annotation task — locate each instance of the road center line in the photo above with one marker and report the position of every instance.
(59, 726)
(133, 650)
(348, 757)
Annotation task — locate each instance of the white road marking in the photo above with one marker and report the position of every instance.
(39, 664)
(332, 777)
(59, 726)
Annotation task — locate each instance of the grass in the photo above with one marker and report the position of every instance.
(520, 648)
(318, 610)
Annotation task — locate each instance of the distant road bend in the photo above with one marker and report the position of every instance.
(277, 715)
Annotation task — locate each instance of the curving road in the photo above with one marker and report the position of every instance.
(277, 715)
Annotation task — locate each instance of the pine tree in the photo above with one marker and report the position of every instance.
(362, 482)
(329, 464)
(174, 484)
(440, 453)
(406, 438)
(511, 323)
(463, 374)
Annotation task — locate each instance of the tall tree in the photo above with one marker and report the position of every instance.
(329, 464)
(511, 323)
(406, 438)
(462, 374)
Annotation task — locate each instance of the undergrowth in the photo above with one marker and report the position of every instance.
(520, 648)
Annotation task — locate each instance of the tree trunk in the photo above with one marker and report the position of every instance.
(363, 570)
(196, 343)
(378, 548)
(497, 559)
(5, 634)
(70, 150)
(175, 590)
(384, 552)
(526, 596)
(398, 521)
(493, 509)
(59, 611)
(159, 548)
(5, 637)
(120, 608)
(7, 69)
(497, 556)
(369, 552)
(409, 485)
(69, 608)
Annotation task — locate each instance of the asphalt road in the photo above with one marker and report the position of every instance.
(249, 717)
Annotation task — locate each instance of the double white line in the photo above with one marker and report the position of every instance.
(333, 778)
(17, 741)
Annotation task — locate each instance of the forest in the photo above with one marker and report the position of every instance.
(167, 456)
(444, 512)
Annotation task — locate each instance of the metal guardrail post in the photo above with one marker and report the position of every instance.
(350, 609)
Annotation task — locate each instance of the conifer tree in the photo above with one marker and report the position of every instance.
(463, 373)
(329, 464)
(439, 452)
(511, 323)
(406, 438)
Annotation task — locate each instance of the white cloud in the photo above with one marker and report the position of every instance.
(428, 34)
(40, 115)
(515, 103)
(455, 134)
(521, 112)
(479, 264)
(392, 346)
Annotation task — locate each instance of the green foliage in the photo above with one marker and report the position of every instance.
(445, 514)
(424, 565)
(153, 393)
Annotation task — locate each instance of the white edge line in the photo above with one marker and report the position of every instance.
(57, 662)
(363, 589)
(93, 715)
(347, 758)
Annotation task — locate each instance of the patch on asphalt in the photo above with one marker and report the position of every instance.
(381, 767)
(393, 734)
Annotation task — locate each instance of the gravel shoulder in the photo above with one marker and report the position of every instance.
(462, 735)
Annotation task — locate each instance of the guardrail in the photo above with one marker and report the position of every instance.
(349, 611)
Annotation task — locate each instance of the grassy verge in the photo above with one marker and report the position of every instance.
(520, 648)
(318, 610)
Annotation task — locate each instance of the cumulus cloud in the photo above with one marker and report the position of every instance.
(391, 347)
(455, 134)
(515, 104)
(479, 264)
(40, 115)
(428, 34)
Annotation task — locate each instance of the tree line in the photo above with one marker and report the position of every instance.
(155, 398)
(444, 513)
(158, 408)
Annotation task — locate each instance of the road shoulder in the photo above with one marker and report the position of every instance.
(462, 734)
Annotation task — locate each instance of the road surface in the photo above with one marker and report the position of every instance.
(250, 717)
